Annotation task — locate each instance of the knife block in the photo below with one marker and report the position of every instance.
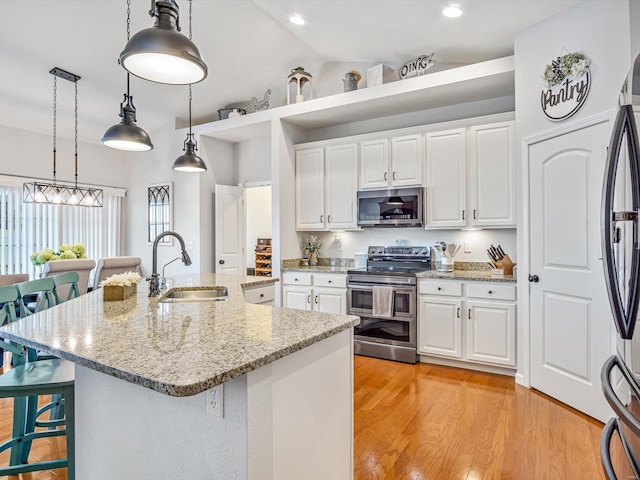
(506, 265)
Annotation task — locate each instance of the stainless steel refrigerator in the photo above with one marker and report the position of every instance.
(620, 441)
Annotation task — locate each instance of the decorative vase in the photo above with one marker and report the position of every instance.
(351, 80)
(118, 292)
(313, 259)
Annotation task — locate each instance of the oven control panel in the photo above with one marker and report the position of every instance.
(407, 252)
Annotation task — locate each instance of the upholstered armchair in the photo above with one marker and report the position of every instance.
(82, 266)
(112, 265)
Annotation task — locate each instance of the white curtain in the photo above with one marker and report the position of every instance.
(28, 227)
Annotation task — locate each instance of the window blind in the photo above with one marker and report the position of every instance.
(28, 227)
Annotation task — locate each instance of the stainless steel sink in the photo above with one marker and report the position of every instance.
(194, 294)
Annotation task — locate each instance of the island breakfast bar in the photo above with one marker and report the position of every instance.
(146, 406)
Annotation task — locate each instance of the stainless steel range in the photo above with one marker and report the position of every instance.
(389, 281)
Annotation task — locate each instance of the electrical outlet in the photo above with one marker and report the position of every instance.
(467, 247)
(190, 245)
(215, 401)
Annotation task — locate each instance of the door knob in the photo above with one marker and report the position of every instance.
(534, 278)
(221, 262)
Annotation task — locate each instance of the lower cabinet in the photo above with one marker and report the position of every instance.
(318, 292)
(470, 321)
(262, 294)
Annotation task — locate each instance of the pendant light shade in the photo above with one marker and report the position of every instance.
(126, 135)
(161, 53)
(189, 161)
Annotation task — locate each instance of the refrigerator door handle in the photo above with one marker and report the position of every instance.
(610, 428)
(624, 311)
(609, 394)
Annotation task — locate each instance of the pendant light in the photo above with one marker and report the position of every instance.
(54, 192)
(189, 161)
(161, 53)
(126, 135)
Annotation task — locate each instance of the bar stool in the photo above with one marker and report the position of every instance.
(69, 281)
(43, 288)
(24, 383)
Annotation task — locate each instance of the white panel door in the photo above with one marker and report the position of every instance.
(491, 332)
(310, 189)
(439, 326)
(229, 233)
(492, 175)
(296, 297)
(341, 186)
(374, 164)
(570, 321)
(446, 179)
(406, 161)
(330, 300)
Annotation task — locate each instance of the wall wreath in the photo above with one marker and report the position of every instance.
(567, 81)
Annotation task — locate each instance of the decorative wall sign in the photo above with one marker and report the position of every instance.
(568, 81)
(416, 67)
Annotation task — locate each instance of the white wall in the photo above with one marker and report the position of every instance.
(258, 215)
(253, 160)
(30, 154)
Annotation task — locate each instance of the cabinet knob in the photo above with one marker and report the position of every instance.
(490, 292)
(295, 279)
(439, 288)
(534, 278)
(221, 262)
(262, 295)
(330, 281)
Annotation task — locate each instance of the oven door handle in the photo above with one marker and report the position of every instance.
(369, 288)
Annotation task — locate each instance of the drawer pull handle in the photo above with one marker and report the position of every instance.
(394, 175)
(308, 298)
(385, 176)
(316, 299)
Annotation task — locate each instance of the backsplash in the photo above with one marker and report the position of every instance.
(322, 261)
(358, 241)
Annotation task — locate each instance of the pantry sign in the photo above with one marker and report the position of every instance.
(567, 82)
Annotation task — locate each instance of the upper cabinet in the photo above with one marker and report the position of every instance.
(471, 177)
(326, 187)
(391, 163)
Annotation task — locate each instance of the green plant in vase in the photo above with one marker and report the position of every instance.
(311, 247)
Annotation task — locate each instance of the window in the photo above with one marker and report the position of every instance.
(28, 227)
(159, 211)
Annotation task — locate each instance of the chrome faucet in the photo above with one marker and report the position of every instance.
(154, 287)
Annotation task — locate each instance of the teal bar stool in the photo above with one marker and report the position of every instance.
(66, 281)
(43, 288)
(24, 383)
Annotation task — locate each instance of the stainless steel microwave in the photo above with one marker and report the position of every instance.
(390, 208)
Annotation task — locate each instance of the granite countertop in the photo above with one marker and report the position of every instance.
(178, 349)
(318, 269)
(475, 275)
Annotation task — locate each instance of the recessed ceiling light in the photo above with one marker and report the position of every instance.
(296, 19)
(452, 11)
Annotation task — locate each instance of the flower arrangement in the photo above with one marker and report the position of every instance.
(125, 279)
(65, 251)
(575, 64)
(311, 244)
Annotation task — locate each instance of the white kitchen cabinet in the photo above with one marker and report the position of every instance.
(297, 297)
(326, 188)
(471, 177)
(492, 176)
(262, 294)
(491, 336)
(468, 321)
(310, 189)
(391, 164)
(319, 292)
(446, 178)
(440, 326)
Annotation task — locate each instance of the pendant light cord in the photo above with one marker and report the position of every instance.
(190, 95)
(76, 131)
(128, 37)
(55, 114)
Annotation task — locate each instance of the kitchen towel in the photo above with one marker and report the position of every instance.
(382, 302)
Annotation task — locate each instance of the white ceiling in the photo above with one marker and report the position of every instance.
(249, 46)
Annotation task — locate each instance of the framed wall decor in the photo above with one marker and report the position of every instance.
(159, 212)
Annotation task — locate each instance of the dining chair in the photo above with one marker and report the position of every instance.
(68, 280)
(113, 265)
(81, 265)
(25, 382)
(10, 279)
(43, 288)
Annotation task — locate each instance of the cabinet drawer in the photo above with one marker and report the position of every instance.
(491, 291)
(330, 280)
(436, 287)
(296, 278)
(263, 294)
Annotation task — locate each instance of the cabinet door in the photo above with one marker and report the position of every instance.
(491, 332)
(406, 161)
(330, 300)
(446, 181)
(374, 164)
(296, 297)
(439, 326)
(492, 175)
(310, 189)
(341, 186)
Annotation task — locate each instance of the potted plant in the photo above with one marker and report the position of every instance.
(311, 247)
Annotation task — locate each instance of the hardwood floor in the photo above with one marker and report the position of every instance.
(430, 422)
(420, 422)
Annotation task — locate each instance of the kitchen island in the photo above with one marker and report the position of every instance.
(146, 406)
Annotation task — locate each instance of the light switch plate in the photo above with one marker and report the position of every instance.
(215, 401)
(467, 247)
